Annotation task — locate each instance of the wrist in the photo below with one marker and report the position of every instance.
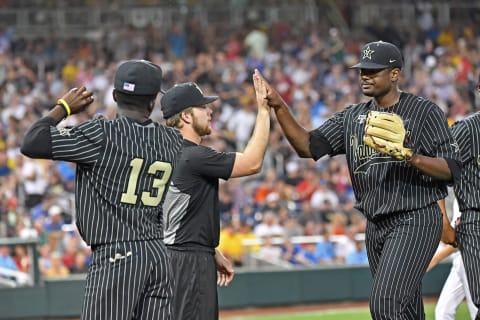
(66, 107)
(411, 158)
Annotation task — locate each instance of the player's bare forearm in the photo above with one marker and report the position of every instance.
(296, 135)
(440, 255)
(251, 160)
(448, 232)
(435, 167)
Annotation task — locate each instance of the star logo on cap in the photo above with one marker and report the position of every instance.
(367, 53)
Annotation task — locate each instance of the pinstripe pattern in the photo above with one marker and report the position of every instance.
(399, 201)
(117, 290)
(384, 185)
(399, 250)
(123, 171)
(467, 191)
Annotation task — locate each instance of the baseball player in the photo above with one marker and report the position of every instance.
(191, 209)
(455, 289)
(400, 154)
(124, 167)
(467, 192)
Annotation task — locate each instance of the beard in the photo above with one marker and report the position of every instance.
(201, 130)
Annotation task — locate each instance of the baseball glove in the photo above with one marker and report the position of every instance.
(385, 133)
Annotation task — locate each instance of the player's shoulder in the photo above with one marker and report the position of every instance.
(420, 106)
(410, 98)
(197, 150)
(172, 131)
(357, 108)
(471, 121)
(91, 124)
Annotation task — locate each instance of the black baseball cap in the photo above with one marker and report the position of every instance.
(182, 96)
(379, 55)
(138, 77)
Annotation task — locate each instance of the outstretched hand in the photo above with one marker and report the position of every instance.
(260, 90)
(273, 97)
(78, 99)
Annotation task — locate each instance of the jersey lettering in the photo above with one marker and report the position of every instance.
(131, 196)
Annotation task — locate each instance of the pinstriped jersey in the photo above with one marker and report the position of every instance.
(384, 185)
(192, 216)
(123, 171)
(467, 135)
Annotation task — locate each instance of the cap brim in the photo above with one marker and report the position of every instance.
(208, 99)
(368, 65)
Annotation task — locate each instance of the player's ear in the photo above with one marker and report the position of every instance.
(395, 74)
(151, 105)
(185, 116)
(114, 95)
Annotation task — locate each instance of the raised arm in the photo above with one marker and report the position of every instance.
(296, 135)
(37, 142)
(251, 159)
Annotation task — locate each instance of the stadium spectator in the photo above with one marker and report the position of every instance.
(359, 255)
(6, 259)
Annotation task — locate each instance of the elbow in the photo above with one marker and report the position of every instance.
(303, 153)
(26, 150)
(256, 167)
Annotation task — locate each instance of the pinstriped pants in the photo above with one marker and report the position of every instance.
(129, 280)
(399, 249)
(468, 236)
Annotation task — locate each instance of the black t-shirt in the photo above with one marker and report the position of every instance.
(191, 208)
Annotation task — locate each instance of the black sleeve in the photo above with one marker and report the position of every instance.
(319, 145)
(37, 142)
(456, 169)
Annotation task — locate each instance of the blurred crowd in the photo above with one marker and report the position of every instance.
(292, 198)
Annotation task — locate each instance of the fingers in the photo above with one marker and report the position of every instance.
(78, 99)
(224, 278)
(260, 86)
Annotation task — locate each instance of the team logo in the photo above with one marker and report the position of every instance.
(365, 157)
(361, 118)
(367, 53)
(456, 147)
(64, 131)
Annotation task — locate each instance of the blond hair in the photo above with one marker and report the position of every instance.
(175, 121)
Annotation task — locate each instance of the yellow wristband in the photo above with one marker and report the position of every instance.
(65, 106)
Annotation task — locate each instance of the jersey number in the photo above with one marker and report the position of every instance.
(131, 196)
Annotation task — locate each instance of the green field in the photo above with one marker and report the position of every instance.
(352, 314)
